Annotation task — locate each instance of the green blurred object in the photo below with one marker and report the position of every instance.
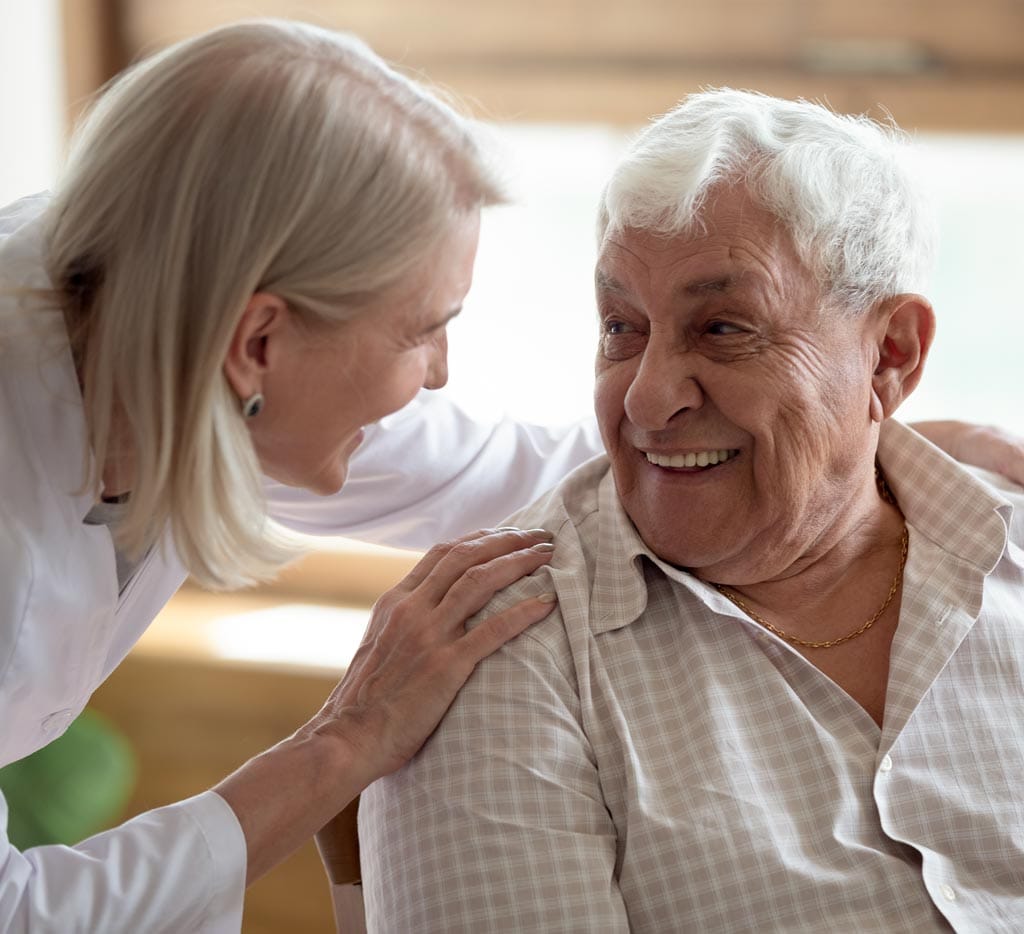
(70, 789)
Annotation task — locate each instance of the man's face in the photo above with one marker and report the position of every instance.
(732, 397)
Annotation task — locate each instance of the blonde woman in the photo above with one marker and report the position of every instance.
(251, 259)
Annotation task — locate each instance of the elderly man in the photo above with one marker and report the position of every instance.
(783, 689)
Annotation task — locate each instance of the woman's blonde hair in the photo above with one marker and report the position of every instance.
(265, 156)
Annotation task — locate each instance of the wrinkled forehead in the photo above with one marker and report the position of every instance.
(726, 211)
(735, 253)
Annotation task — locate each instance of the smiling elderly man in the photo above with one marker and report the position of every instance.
(783, 690)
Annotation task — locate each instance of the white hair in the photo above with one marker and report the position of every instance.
(264, 156)
(841, 185)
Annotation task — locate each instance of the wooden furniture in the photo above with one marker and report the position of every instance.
(338, 844)
(934, 64)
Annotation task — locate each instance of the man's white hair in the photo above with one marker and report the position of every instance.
(842, 186)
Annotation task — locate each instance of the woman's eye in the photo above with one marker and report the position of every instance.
(723, 328)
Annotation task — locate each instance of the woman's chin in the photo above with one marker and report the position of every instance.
(324, 479)
(330, 482)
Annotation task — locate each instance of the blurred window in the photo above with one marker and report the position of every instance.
(525, 343)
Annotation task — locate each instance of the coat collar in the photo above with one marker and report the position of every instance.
(36, 360)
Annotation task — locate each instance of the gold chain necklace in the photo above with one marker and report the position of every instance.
(831, 643)
(886, 493)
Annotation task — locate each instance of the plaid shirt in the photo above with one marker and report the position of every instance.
(650, 759)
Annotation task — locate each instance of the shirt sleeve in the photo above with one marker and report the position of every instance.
(431, 472)
(175, 869)
(499, 823)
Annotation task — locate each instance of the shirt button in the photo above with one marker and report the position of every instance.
(885, 765)
(947, 893)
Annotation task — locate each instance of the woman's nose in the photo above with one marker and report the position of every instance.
(437, 368)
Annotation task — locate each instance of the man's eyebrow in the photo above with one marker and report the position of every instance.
(696, 288)
(609, 284)
(704, 286)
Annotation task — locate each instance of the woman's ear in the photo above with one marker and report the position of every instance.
(253, 344)
(906, 329)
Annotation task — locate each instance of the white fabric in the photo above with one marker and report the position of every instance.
(64, 628)
(649, 759)
(429, 473)
(174, 869)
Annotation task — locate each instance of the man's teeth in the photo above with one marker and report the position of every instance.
(702, 459)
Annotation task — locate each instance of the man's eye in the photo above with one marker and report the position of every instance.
(620, 340)
(612, 326)
(722, 328)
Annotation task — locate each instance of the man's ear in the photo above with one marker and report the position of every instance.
(906, 326)
(252, 349)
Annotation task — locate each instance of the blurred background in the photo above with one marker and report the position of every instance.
(562, 84)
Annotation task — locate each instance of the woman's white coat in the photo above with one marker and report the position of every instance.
(423, 475)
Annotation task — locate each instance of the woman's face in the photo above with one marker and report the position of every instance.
(327, 384)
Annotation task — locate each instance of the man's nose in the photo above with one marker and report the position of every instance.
(665, 385)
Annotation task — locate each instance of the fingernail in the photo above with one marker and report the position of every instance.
(548, 598)
(541, 533)
(543, 548)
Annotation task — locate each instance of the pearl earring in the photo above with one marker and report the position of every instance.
(252, 406)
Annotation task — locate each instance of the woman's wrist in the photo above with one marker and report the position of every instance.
(346, 742)
(283, 796)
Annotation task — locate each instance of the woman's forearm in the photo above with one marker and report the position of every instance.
(286, 794)
(984, 446)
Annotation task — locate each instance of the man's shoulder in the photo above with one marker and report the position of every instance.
(955, 505)
(571, 512)
(573, 502)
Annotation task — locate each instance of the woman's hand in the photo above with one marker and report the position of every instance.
(416, 653)
(983, 446)
(415, 656)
